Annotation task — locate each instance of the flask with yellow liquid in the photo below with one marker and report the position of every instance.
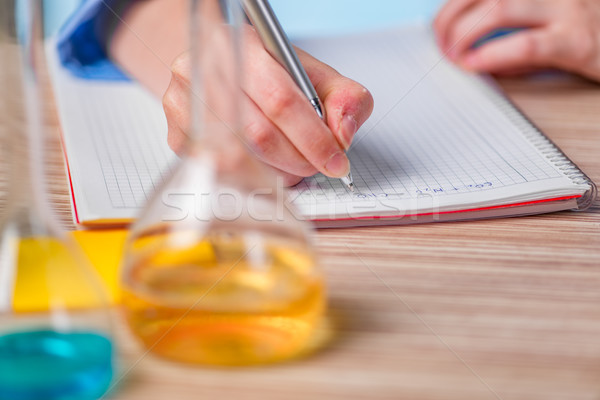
(55, 329)
(217, 269)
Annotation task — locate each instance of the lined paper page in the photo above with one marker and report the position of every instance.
(435, 134)
(437, 139)
(115, 139)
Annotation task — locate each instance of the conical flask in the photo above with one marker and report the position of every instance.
(55, 329)
(217, 268)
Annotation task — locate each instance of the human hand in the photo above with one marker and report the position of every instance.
(281, 126)
(559, 34)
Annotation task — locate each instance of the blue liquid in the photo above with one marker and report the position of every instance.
(48, 365)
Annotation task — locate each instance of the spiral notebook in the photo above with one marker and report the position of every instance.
(441, 144)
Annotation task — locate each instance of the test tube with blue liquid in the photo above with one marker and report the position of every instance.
(55, 327)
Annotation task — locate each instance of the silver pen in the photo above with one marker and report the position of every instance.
(262, 16)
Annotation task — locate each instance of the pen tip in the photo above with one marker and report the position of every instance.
(348, 182)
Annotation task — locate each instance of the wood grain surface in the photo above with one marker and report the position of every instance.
(498, 309)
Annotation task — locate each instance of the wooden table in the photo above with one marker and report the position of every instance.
(501, 309)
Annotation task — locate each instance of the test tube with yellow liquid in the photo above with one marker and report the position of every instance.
(217, 269)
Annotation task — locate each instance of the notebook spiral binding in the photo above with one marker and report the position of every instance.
(546, 146)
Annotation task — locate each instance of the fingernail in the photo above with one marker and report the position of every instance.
(338, 165)
(347, 130)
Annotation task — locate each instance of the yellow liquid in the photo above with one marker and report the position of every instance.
(49, 274)
(220, 302)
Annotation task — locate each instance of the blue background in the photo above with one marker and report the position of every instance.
(325, 17)
(311, 17)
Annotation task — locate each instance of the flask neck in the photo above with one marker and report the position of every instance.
(24, 93)
(216, 92)
(27, 200)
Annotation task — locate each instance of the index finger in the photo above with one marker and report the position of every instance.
(274, 92)
(348, 103)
